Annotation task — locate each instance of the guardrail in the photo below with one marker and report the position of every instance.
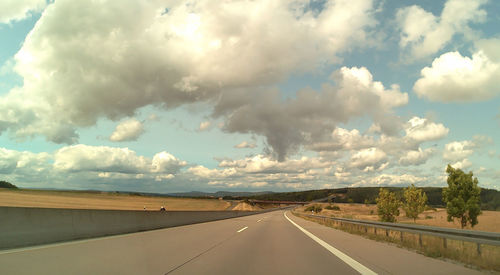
(472, 247)
(480, 237)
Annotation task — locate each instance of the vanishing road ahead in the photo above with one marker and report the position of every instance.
(267, 243)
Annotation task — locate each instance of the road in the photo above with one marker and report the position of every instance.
(266, 243)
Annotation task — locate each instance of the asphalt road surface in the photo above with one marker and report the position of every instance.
(268, 243)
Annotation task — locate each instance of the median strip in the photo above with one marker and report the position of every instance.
(242, 229)
(348, 260)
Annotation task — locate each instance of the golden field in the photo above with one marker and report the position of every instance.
(103, 200)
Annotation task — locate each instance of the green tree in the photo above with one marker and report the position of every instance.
(462, 197)
(387, 205)
(6, 184)
(415, 202)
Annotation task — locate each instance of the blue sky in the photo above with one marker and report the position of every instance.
(282, 95)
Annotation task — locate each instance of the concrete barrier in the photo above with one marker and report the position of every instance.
(20, 226)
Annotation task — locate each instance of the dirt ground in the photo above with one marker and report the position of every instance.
(488, 220)
(243, 206)
(88, 200)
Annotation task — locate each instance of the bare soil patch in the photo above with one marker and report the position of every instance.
(243, 206)
(488, 220)
(91, 200)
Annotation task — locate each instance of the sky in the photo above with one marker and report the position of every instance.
(173, 96)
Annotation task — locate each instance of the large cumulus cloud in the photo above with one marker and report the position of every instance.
(423, 33)
(455, 78)
(101, 63)
(16, 10)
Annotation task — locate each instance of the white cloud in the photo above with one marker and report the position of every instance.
(245, 144)
(24, 162)
(127, 130)
(164, 162)
(16, 10)
(458, 150)
(204, 125)
(342, 139)
(416, 157)
(170, 54)
(371, 158)
(391, 180)
(421, 130)
(463, 164)
(212, 174)
(84, 158)
(454, 78)
(425, 34)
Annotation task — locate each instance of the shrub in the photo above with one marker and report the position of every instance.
(315, 208)
(5, 184)
(333, 207)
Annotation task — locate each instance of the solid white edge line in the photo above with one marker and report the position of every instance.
(348, 260)
(242, 229)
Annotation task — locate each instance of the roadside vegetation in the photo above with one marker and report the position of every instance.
(490, 198)
(415, 202)
(6, 184)
(462, 197)
(387, 205)
(316, 208)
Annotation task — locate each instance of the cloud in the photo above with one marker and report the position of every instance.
(342, 139)
(88, 167)
(22, 163)
(463, 164)
(204, 125)
(369, 159)
(245, 144)
(422, 130)
(416, 157)
(84, 158)
(204, 172)
(424, 34)
(454, 78)
(127, 130)
(458, 150)
(169, 55)
(262, 171)
(391, 180)
(17, 10)
(311, 116)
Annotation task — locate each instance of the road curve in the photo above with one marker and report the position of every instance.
(260, 244)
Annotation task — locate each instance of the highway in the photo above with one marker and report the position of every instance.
(268, 243)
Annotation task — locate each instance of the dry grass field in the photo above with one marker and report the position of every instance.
(91, 200)
(488, 220)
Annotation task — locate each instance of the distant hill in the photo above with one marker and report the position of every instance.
(490, 199)
(5, 184)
